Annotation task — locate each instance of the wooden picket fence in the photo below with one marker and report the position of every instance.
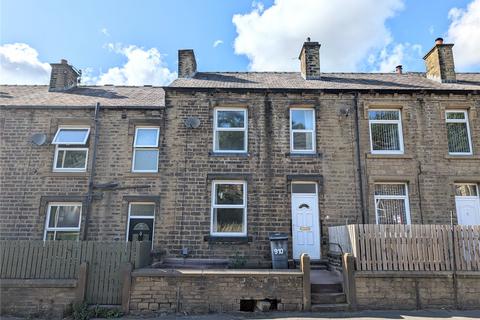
(62, 259)
(409, 247)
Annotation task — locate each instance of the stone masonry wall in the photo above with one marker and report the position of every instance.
(197, 291)
(39, 300)
(415, 290)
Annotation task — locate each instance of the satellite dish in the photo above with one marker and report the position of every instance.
(39, 138)
(192, 122)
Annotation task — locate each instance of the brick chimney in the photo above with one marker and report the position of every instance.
(63, 76)
(439, 62)
(310, 60)
(187, 65)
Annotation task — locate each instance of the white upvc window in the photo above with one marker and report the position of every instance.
(141, 221)
(386, 136)
(458, 132)
(68, 158)
(63, 221)
(302, 130)
(145, 149)
(230, 127)
(229, 208)
(391, 203)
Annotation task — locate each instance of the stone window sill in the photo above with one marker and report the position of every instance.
(388, 156)
(69, 174)
(460, 157)
(227, 240)
(303, 155)
(229, 154)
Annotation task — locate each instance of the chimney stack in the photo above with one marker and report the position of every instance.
(310, 60)
(187, 65)
(399, 69)
(63, 76)
(439, 62)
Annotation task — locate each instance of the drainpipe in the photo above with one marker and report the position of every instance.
(88, 205)
(359, 162)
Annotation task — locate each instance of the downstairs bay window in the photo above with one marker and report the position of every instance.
(229, 208)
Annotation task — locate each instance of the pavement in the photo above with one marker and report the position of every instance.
(362, 315)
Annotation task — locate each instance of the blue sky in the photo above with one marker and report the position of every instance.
(102, 37)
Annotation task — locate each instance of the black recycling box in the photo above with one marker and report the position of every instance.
(279, 248)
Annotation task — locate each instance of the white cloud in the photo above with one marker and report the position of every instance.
(19, 64)
(142, 67)
(347, 30)
(395, 54)
(464, 32)
(217, 43)
(105, 32)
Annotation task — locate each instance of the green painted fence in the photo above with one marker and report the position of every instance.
(62, 259)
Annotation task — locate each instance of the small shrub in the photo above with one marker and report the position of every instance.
(81, 311)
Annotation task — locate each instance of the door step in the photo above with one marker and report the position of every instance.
(328, 298)
(327, 288)
(330, 307)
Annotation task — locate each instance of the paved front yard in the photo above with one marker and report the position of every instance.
(407, 315)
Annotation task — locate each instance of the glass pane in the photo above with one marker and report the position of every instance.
(68, 216)
(147, 137)
(53, 215)
(229, 193)
(383, 115)
(302, 141)
(228, 220)
(142, 209)
(458, 137)
(390, 190)
(60, 155)
(146, 160)
(302, 119)
(230, 119)
(466, 190)
(73, 159)
(304, 188)
(50, 235)
(67, 136)
(230, 140)
(391, 211)
(455, 115)
(385, 137)
(66, 235)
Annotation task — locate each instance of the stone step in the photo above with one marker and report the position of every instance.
(328, 298)
(327, 288)
(330, 307)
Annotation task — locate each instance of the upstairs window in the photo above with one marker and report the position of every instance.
(71, 155)
(230, 130)
(145, 149)
(302, 130)
(458, 133)
(63, 221)
(386, 135)
(391, 203)
(229, 208)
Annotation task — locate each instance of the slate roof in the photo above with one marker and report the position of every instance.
(348, 81)
(122, 96)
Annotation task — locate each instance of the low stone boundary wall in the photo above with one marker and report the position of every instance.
(204, 291)
(417, 290)
(45, 298)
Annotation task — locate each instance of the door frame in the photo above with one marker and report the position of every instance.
(141, 217)
(316, 220)
(460, 198)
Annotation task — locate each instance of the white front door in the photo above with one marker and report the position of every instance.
(467, 201)
(305, 220)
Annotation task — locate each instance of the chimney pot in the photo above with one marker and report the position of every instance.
(63, 76)
(439, 41)
(399, 69)
(310, 60)
(187, 64)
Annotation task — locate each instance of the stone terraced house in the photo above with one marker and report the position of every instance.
(210, 165)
